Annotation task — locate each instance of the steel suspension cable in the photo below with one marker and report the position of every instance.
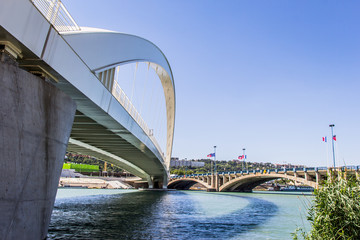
(133, 87)
(145, 85)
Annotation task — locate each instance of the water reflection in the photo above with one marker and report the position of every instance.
(155, 215)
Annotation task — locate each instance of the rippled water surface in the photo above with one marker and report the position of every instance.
(129, 214)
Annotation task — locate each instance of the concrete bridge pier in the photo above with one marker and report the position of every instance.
(150, 183)
(217, 182)
(35, 124)
(212, 181)
(157, 182)
(165, 181)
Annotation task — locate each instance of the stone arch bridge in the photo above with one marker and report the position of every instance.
(245, 181)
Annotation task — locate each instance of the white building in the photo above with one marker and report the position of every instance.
(175, 162)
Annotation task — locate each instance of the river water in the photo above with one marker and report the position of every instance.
(133, 214)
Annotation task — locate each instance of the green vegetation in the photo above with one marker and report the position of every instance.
(81, 167)
(85, 159)
(335, 212)
(221, 166)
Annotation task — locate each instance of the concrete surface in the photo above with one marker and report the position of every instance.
(35, 124)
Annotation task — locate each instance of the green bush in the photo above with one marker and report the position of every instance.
(335, 212)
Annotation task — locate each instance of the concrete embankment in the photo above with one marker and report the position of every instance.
(92, 183)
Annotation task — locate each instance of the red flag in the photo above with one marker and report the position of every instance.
(334, 137)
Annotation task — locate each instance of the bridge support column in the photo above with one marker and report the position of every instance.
(225, 179)
(213, 181)
(150, 183)
(165, 181)
(296, 176)
(35, 125)
(307, 176)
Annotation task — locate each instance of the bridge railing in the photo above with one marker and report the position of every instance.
(267, 171)
(55, 12)
(124, 100)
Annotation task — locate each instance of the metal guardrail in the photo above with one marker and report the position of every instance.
(124, 100)
(55, 12)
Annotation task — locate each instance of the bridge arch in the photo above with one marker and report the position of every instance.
(102, 50)
(248, 182)
(186, 183)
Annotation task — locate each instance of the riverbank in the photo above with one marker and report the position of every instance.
(92, 183)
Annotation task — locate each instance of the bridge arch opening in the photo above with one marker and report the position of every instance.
(186, 184)
(248, 183)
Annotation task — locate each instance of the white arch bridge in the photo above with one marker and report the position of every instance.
(58, 92)
(245, 181)
(82, 63)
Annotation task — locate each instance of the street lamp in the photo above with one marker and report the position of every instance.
(332, 140)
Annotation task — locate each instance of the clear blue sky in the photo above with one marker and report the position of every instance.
(269, 76)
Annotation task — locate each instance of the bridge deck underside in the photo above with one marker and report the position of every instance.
(100, 121)
(88, 131)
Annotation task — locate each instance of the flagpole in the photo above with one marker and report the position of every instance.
(332, 140)
(327, 153)
(243, 158)
(215, 159)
